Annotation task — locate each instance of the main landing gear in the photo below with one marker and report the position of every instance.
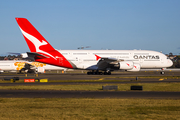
(162, 72)
(107, 73)
(99, 73)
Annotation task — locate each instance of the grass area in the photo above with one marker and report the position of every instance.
(98, 87)
(88, 109)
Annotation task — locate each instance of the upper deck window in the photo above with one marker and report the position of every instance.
(79, 53)
(64, 53)
(111, 53)
(141, 53)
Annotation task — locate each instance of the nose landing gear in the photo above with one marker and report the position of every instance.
(162, 72)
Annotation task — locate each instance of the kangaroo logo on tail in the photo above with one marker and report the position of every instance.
(39, 46)
(36, 43)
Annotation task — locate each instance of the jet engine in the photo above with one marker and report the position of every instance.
(136, 67)
(126, 65)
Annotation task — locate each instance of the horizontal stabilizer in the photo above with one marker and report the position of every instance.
(34, 55)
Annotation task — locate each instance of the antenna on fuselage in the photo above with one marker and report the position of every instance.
(82, 47)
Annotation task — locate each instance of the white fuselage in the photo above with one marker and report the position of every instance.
(86, 59)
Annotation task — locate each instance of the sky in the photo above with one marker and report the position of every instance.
(101, 24)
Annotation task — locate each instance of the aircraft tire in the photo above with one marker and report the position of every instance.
(100, 73)
(95, 73)
(109, 73)
(88, 73)
(162, 73)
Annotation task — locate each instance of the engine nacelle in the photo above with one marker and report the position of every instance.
(126, 65)
(136, 67)
(24, 55)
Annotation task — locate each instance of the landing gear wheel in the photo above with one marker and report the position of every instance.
(89, 73)
(107, 73)
(162, 73)
(96, 73)
(100, 73)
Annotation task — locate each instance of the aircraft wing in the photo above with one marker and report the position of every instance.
(105, 63)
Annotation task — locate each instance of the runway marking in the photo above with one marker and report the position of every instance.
(161, 79)
(101, 79)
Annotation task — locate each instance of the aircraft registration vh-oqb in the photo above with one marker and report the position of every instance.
(93, 60)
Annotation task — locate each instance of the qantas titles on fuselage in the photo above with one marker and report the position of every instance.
(146, 57)
(105, 60)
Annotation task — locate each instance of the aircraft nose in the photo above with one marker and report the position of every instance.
(170, 63)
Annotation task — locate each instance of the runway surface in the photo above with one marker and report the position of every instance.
(83, 76)
(80, 78)
(75, 83)
(87, 94)
(121, 77)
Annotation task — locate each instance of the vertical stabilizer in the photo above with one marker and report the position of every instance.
(35, 41)
(39, 46)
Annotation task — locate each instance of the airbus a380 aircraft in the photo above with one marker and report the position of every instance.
(94, 60)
